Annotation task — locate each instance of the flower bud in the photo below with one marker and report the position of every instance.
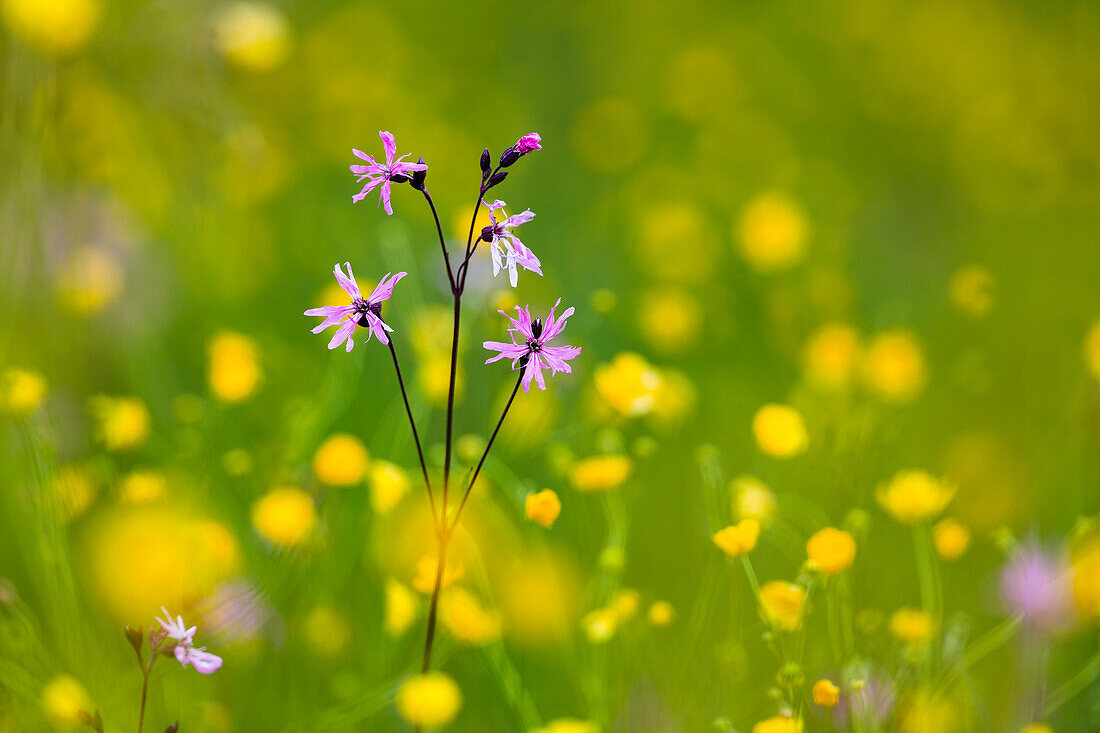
(497, 178)
(95, 722)
(509, 156)
(485, 162)
(134, 636)
(172, 728)
(418, 177)
(487, 233)
(399, 178)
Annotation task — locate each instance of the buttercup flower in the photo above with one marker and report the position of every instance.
(366, 312)
(186, 653)
(392, 171)
(506, 249)
(737, 539)
(912, 495)
(912, 626)
(825, 693)
(533, 355)
(832, 550)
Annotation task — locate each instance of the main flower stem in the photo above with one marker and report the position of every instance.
(146, 669)
(448, 447)
(416, 435)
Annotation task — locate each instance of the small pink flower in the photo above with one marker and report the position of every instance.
(529, 142)
(185, 650)
(533, 355)
(175, 629)
(366, 312)
(392, 171)
(504, 246)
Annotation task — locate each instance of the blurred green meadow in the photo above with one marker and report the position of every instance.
(834, 264)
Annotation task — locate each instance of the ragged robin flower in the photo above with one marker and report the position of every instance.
(185, 651)
(394, 170)
(504, 246)
(366, 312)
(530, 142)
(533, 354)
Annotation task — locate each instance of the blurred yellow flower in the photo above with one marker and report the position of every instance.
(831, 550)
(1086, 577)
(825, 693)
(610, 134)
(388, 485)
(603, 300)
(63, 699)
(426, 567)
(912, 626)
(233, 366)
(674, 399)
(253, 35)
(780, 431)
(831, 356)
(1037, 728)
(542, 507)
(661, 613)
(670, 318)
(143, 556)
(783, 604)
(55, 27)
(91, 279)
(930, 713)
(142, 486)
(893, 366)
(624, 604)
(737, 539)
(284, 516)
(466, 619)
(429, 700)
(600, 625)
(342, 460)
(628, 383)
(665, 229)
(785, 722)
(1092, 349)
(21, 391)
(122, 423)
(539, 596)
(401, 607)
(568, 725)
(600, 473)
(752, 499)
(951, 538)
(327, 631)
(971, 290)
(772, 233)
(434, 378)
(74, 489)
(912, 496)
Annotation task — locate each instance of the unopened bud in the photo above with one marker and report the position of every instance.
(509, 156)
(172, 728)
(487, 233)
(134, 636)
(497, 178)
(399, 178)
(418, 177)
(485, 162)
(95, 722)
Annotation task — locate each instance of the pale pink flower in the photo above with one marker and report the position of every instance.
(185, 650)
(392, 171)
(175, 629)
(1035, 585)
(366, 312)
(504, 246)
(533, 354)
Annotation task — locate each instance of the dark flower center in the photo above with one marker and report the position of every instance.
(362, 307)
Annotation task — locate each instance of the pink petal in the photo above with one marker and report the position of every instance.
(385, 197)
(371, 185)
(522, 218)
(384, 290)
(390, 145)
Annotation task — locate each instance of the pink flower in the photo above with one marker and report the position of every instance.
(366, 312)
(529, 142)
(533, 355)
(392, 171)
(186, 653)
(505, 247)
(1035, 585)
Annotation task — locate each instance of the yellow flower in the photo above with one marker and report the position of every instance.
(285, 516)
(783, 604)
(401, 607)
(785, 722)
(893, 366)
(233, 366)
(543, 507)
(951, 538)
(568, 725)
(434, 378)
(628, 383)
(737, 539)
(661, 613)
(63, 699)
(21, 391)
(1092, 349)
(327, 631)
(665, 227)
(540, 597)
(139, 487)
(426, 567)
(624, 604)
(825, 693)
(971, 289)
(912, 626)
(600, 473)
(92, 278)
(388, 486)
(1086, 578)
(674, 398)
(122, 423)
(752, 499)
(832, 550)
(600, 625)
(911, 496)
(670, 318)
(1037, 728)
(780, 431)
(429, 700)
(772, 233)
(466, 619)
(55, 27)
(253, 36)
(930, 713)
(831, 356)
(74, 489)
(342, 460)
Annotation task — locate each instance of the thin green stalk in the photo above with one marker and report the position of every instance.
(1073, 686)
